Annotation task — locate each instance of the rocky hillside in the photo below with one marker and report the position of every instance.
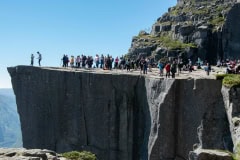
(208, 29)
(132, 117)
(10, 131)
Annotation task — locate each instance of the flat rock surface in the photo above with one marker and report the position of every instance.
(195, 74)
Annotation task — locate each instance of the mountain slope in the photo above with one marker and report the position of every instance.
(207, 29)
(10, 132)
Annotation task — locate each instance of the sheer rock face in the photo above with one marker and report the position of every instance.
(231, 33)
(232, 105)
(118, 116)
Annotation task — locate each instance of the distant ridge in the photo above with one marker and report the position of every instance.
(10, 132)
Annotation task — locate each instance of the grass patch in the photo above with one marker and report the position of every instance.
(217, 21)
(229, 80)
(83, 155)
(168, 42)
(236, 156)
(202, 11)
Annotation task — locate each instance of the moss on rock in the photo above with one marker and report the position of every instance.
(76, 155)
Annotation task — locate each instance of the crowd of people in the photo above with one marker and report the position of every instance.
(169, 67)
(143, 64)
(83, 61)
(232, 66)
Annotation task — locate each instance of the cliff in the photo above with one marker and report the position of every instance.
(207, 29)
(119, 116)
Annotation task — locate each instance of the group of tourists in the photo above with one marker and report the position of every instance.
(39, 58)
(232, 66)
(83, 61)
(175, 65)
(171, 67)
(145, 65)
(104, 62)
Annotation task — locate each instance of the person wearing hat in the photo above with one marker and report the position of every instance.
(39, 58)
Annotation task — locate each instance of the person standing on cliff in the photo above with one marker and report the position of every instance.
(97, 60)
(32, 59)
(208, 69)
(141, 65)
(39, 58)
(145, 66)
(167, 68)
(173, 69)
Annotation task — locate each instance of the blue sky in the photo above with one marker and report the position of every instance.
(73, 27)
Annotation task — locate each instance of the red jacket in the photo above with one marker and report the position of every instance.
(167, 67)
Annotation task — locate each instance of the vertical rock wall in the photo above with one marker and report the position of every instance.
(231, 33)
(117, 116)
(232, 105)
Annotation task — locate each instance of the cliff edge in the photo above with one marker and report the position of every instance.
(118, 116)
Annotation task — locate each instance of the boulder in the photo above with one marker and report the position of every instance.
(28, 154)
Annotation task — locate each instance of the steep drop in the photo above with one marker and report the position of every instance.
(118, 116)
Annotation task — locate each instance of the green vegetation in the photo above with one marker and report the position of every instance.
(201, 11)
(75, 155)
(168, 42)
(217, 21)
(195, 11)
(165, 40)
(229, 80)
(236, 156)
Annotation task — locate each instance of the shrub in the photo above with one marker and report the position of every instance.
(217, 21)
(174, 44)
(83, 155)
(236, 156)
(229, 80)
